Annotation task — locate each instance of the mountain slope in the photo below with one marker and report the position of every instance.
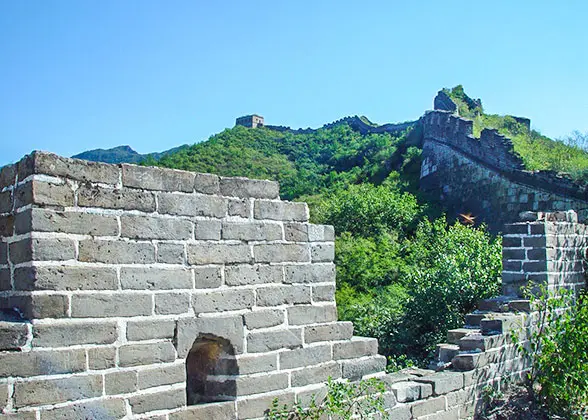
(122, 154)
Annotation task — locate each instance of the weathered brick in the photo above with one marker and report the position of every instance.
(35, 363)
(52, 391)
(306, 356)
(264, 318)
(146, 354)
(162, 400)
(328, 332)
(65, 278)
(110, 305)
(121, 382)
(172, 303)
(316, 374)
(147, 227)
(411, 391)
(251, 231)
(71, 332)
(229, 327)
(6, 226)
(355, 369)
(320, 233)
(247, 385)
(310, 273)
(114, 198)
(150, 329)
(239, 207)
(170, 253)
(44, 194)
(13, 335)
(264, 341)
(533, 241)
(3, 253)
(323, 293)
(280, 210)
(100, 358)
(42, 249)
(37, 305)
(256, 407)
(44, 220)
(192, 205)
(240, 275)
(281, 295)
(3, 396)
(147, 278)
(296, 232)
(207, 277)
(217, 410)
(160, 179)
(101, 409)
(6, 202)
(5, 279)
(116, 252)
(311, 314)
(322, 252)
(223, 300)
(207, 230)
(7, 175)
(256, 363)
(356, 347)
(161, 375)
(206, 183)
(208, 253)
(443, 382)
(274, 253)
(245, 188)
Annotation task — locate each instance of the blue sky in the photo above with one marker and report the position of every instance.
(78, 75)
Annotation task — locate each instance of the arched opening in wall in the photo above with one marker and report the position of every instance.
(211, 368)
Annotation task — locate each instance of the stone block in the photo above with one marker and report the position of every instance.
(98, 305)
(161, 375)
(282, 295)
(355, 369)
(3, 253)
(172, 303)
(247, 385)
(42, 249)
(35, 363)
(356, 347)
(310, 273)
(223, 300)
(322, 252)
(241, 275)
(147, 227)
(120, 382)
(212, 411)
(150, 329)
(323, 293)
(429, 406)
(320, 233)
(100, 409)
(5, 279)
(328, 332)
(401, 412)
(306, 356)
(257, 363)
(6, 226)
(44, 220)
(316, 374)
(213, 253)
(116, 252)
(53, 391)
(65, 278)
(207, 277)
(64, 333)
(251, 231)
(3, 396)
(6, 203)
(264, 341)
(158, 179)
(248, 188)
(206, 183)
(277, 253)
(7, 176)
(264, 318)
(443, 382)
(280, 210)
(37, 305)
(256, 407)
(146, 354)
(468, 361)
(114, 198)
(43, 194)
(296, 232)
(100, 358)
(207, 230)
(13, 335)
(311, 314)
(161, 400)
(227, 327)
(148, 278)
(240, 207)
(192, 205)
(171, 253)
(411, 391)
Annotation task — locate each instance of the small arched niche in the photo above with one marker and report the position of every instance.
(211, 368)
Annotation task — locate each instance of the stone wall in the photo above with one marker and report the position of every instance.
(485, 177)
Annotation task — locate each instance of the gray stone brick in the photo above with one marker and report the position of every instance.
(281, 295)
(160, 179)
(247, 385)
(276, 253)
(240, 275)
(207, 277)
(213, 411)
(206, 183)
(7, 176)
(43, 220)
(161, 375)
(192, 205)
(264, 341)
(355, 369)
(42, 249)
(121, 382)
(251, 231)
(13, 335)
(116, 252)
(257, 363)
(100, 358)
(410, 391)
(37, 305)
(264, 318)
(5, 279)
(316, 374)
(245, 188)
(6, 225)
(240, 207)
(255, 407)
(112, 198)
(6, 202)
(35, 363)
(310, 273)
(228, 327)
(209, 253)
(223, 300)
(3, 253)
(72, 332)
(323, 293)
(306, 356)
(422, 409)
(356, 347)
(147, 278)
(101, 409)
(280, 210)
(162, 400)
(172, 303)
(150, 329)
(146, 227)
(322, 252)
(443, 382)
(53, 391)
(44, 194)
(65, 278)
(328, 332)
(207, 229)
(146, 354)
(3, 396)
(170, 253)
(102, 306)
(320, 233)
(296, 232)
(311, 314)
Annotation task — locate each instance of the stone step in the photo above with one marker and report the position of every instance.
(496, 304)
(446, 352)
(473, 319)
(453, 336)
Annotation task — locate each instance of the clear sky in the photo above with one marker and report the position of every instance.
(78, 75)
